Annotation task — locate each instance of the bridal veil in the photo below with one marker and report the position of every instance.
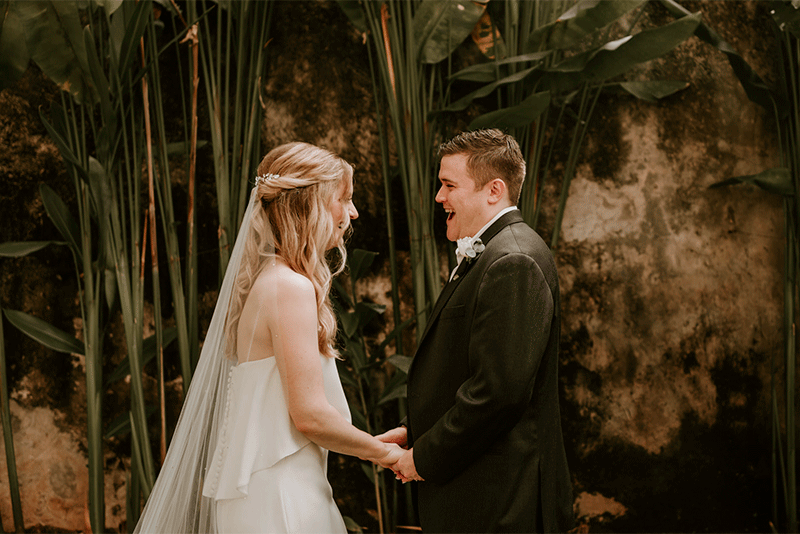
(177, 504)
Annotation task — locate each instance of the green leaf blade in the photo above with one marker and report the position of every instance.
(17, 249)
(44, 333)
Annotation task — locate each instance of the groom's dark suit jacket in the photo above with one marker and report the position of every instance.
(483, 394)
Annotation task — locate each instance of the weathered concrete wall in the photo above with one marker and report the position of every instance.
(671, 291)
(673, 299)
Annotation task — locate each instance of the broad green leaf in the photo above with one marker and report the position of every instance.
(349, 320)
(341, 294)
(486, 90)
(753, 85)
(111, 289)
(642, 47)
(359, 421)
(487, 71)
(17, 249)
(351, 525)
(403, 363)
(578, 23)
(652, 91)
(97, 75)
(121, 426)
(787, 17)
(14, 55)
(617, 57)
(149, 351)
(44, 333)
(181, 147)
(110, 6)
(366, 467)
(522, 114)
(367, 311)
(134, 30)
(439, 27)
(399, 391)
(346, 375)
(54, 36)
(776, 180)
(360, 261)
(61, 143)
(354, 12)
(101, 190)
(355, 352)
(62, 219)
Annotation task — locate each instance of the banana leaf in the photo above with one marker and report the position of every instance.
(654, 90)
(14, 55)
(516, 116)
(757, 91)
(777, 180)
(54, 37)
(439, 27)
(44, 333)
(59, 214)
(149, 352)
(581, 21)
(17, 249)
(617, 57)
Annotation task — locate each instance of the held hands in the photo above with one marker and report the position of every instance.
(393, 454)
(403, 466)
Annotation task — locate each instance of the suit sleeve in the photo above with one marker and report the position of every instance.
(510, 329)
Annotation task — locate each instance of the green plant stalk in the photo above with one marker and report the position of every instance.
(784, 465)
(235, 137)
(169, 225)
(584, 118)
(367, 416)
(402, 78)
(390, 234)
(11, 462)
(89, 285)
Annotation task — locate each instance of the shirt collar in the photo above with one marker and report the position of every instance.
(471, 240)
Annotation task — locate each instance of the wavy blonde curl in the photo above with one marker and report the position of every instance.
(300, 230)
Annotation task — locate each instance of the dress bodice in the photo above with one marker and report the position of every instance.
(257, 430)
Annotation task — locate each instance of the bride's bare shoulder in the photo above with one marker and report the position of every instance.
(280, 280)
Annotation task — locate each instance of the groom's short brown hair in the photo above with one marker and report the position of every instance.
(490, 154)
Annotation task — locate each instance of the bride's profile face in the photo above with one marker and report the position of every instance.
(342, 211)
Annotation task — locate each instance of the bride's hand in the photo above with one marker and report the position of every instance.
(393, 453)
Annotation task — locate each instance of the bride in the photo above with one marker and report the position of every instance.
(265, 404)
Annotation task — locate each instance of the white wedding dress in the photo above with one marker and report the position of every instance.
(265, 476)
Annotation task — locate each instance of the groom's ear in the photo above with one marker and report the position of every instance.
(498, 191)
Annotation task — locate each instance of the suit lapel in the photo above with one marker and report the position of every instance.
(507, 219)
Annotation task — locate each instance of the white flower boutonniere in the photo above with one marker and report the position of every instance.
(470, 249)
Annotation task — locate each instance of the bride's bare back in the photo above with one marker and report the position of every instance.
(259, 313)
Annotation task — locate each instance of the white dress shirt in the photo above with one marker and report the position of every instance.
(460, 256)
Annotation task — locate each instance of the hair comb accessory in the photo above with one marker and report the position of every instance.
(266, 177)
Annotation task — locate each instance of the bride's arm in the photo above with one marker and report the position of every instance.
(292, 320)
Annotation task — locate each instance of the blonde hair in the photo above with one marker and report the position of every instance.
(294, 222)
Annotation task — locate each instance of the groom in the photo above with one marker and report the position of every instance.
(483, 430)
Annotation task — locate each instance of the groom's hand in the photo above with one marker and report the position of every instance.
(405, 468)
(397, 435)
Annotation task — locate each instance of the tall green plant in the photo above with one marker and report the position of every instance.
(106, 57)
(8, 439)
(232, 55)
(545, 56)
(408, 42)
(364, 370)
(784, 103)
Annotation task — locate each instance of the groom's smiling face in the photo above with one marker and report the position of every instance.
(467, 207)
